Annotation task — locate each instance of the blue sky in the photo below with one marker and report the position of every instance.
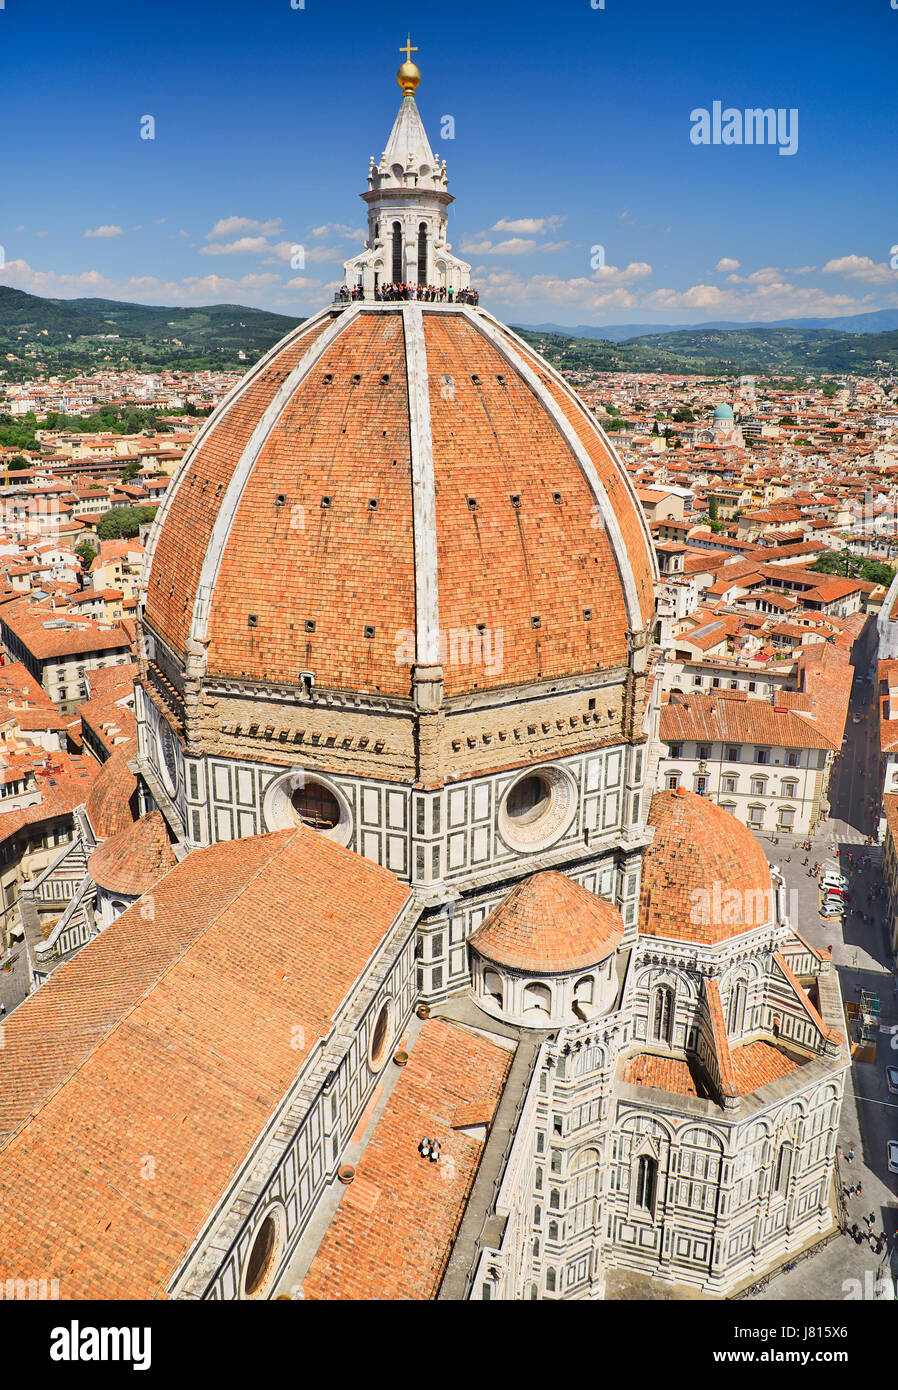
(572, 130)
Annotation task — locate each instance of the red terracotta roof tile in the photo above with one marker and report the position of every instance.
(549, 923)
(392, 1239)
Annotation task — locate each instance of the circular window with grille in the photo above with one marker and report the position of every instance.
(169, 758)
(264, 1254)
(537, 809)
(302, 798)
(379, 1039)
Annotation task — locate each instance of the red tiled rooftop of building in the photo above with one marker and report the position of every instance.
(393, 1232)
(111, 1059)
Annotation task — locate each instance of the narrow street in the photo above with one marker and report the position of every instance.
(863, 959)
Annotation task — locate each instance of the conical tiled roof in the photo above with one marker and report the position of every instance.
(549, 925)
(134, 859)
(705, 878)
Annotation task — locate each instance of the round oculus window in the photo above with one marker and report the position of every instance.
(169, 757)
(380, 1037)
(263, 1257)
(537, 809)
(298, 798)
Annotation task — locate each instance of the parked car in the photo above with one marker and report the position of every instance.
(832, 910)
(892, 1079)
(855, 719)
(893, 1155)
(832, 879)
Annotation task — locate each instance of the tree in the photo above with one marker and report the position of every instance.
(713, 508)
(684, 415)
(854, 567)
(130, 471)
(123, 522)
(19, 461)
(788, 420)
(86, 553)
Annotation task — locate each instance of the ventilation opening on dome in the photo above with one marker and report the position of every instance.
(356, 378)
(310, 624)
(252, 620)
(481, 627)
(472, 504)
(384, 379)
(325, 502)
(328, 378)
(368, 631)
(536, 621)
(587, 615)
(556, 498)
(372, 504)
(315, 806)
(280, 500)
(515, 499)
(500, 379)
(475, 379)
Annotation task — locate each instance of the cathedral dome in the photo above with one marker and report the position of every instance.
(549, 925)
(132, 860)
(705, 878)
(724, 412)
(393, 482)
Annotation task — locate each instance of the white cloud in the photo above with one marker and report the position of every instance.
(143, 288)
(727, 263)
(636, 270)
(512, 246)
(861, 268)
(528, 225)
(507, 287)
(228, 226)
(104, 231)
(338, 229)
(765, 294)
(768, 275)
(240, 247)
(759, 297)
(286, 250)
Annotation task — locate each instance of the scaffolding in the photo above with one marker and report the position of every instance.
(868, 1022)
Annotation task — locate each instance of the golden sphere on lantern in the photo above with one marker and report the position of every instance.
(408, 78)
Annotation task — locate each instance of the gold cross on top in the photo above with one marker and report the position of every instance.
(408, 50)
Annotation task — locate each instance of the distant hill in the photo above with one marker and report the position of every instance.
(878, 321)
(221, 323)
(69, 335)
(724, 352)
(66, 336)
